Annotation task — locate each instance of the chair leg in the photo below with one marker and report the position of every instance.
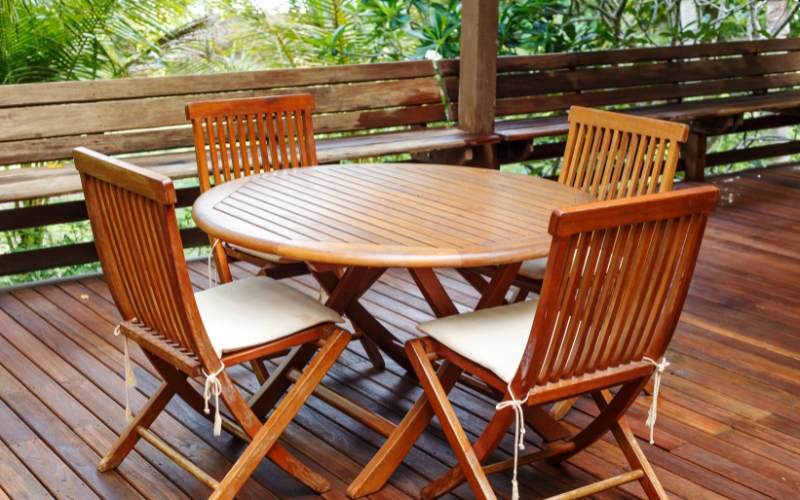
(269, 433)
(470, 464)
(246, 419)
(520, 295)
(373, 353)
(260, 370)
(221, 264)
(604, 421)
(650, 386)
(145, 418)
(560, 409)
(633, 453)
(484, 446)
(388, 458)
(275, 387)
(544, 425)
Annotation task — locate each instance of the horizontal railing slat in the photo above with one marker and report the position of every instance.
(70, 211)
(132, 88)
(73, 255)
(507, 64)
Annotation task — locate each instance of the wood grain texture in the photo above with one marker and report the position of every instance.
(614, 287)
(129, 88)
(132, 212)
(387, 215)
(479, 55)
(507, 64)
(40, 182)
(727, 427)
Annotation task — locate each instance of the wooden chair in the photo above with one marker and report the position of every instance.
(239, 137)
(614, 287)
(608, 156)
(184, 334)
(611, 156)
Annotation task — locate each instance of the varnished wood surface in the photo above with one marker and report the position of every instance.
(729, 411)
(388, 215)
(147, 115)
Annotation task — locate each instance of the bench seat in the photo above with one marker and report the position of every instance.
(362, 111)
(532, 128)
(42, 182)
(710, 86)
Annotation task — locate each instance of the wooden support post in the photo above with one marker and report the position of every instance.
(478, 74)
(694, 156)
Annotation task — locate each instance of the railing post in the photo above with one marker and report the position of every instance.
(477, 79)
(694, 156)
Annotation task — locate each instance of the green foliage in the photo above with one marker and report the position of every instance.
(57, 40)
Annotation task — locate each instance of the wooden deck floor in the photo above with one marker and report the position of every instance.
(729, 414)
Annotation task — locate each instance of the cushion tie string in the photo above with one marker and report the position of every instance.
(653, 412)
(130, 378)
(213, 278)
(214, 388)
(519, 433)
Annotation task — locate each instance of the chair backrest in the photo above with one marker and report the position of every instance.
(613, 155)
(616, 280)
(240, 137)
(132, 212)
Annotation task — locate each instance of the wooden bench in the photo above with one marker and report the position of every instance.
(710, 86)
(362, 111)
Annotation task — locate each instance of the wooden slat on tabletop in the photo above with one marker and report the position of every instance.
(307, 217)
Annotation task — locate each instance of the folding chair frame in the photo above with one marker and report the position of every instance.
(132, 212)
(636, 301)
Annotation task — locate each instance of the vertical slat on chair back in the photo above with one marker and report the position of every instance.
(612, 155)
(240, 137)
(132, 212)
(616, 279)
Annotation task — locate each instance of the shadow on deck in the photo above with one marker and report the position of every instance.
(729, 414)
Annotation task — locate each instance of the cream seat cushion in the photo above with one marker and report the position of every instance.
(493, 338)
(533, 269)
(277, 259)
(253, 311)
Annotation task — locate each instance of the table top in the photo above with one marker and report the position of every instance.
(387, 214)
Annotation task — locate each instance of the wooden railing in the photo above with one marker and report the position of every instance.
(76, 253)
(362, 98)
(556, 149)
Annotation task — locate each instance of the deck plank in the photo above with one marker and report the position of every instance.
(729, 419)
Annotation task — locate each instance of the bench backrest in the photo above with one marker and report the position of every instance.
(554, 82)
(44, 122)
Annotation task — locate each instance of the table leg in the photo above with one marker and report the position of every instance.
(433, 291)
(493, 293)
(344, 294)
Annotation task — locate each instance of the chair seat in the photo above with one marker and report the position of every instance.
(254, 311)
(533, 269)
(493, 338)
(276, 259)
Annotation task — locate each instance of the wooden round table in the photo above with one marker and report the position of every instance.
(370, 217)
